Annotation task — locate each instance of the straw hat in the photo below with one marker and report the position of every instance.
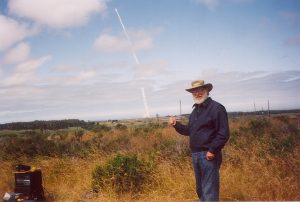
(198, 84)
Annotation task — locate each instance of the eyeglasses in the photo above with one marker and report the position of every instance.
(198, 90)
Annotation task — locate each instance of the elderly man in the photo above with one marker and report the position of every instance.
(208, 132)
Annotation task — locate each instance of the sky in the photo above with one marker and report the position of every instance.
(64, 59)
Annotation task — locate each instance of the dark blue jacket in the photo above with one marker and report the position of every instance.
(208, 127)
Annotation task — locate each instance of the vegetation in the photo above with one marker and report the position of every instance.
(43, 125)
(125, 173)
(149, 161)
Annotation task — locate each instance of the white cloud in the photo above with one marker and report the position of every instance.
(83, 76)
(239, 90)
(12, 31)
(57, 13)
(292, 79)
(17, 54)
(109, 43)
(100, 100)
(151, 69)
(65, 75)
(64, 68)
(141, 40)
(25, 73)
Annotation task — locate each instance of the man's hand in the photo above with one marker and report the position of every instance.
(210, 156)
(172, 121)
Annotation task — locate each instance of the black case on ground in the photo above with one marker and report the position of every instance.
(29, 183)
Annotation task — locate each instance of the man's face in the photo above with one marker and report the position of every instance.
(200, 94)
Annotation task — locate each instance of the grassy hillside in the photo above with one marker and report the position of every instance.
(149, 161)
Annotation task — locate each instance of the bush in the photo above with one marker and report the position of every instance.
(125, 173)
(78, 134)
(281, 146)
(147, 128)
(98, 128)
(119, 143)
(121, 126)
(32, 144)
(257, 126)
(234, 136)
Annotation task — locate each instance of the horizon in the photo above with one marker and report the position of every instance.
(77, 62)
(154, 116)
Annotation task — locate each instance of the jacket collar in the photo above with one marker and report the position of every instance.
(204, 104)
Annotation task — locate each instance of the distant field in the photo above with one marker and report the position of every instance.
(260, 162)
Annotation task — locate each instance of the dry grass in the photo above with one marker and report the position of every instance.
(261, 179)
(249, 171)
(6, 180)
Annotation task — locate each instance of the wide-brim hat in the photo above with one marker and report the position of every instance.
(199, 83)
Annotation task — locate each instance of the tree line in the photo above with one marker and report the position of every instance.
(44, 125)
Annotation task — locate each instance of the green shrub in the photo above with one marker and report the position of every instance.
(164, 124)
(257, 126)
(98, 128)
(281, 146)
(120, 143)
(78, 134)
(174, 151)
(124, 173)
(284, 119)
(149, 127)
(121, 126)
(32, 144)
(165, 145)
(234, 135)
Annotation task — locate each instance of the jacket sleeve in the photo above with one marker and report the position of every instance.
(222, 131)
(182, 129)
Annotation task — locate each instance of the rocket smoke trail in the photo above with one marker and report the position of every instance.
(147, 114)
(127, 36)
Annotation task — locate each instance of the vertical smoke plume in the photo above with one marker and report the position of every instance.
(147, 114)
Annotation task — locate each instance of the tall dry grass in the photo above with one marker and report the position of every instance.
(260, 162)
(255, 178)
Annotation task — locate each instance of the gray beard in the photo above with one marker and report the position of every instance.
(201, 100)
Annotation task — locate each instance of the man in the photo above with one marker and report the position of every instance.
(208, 132)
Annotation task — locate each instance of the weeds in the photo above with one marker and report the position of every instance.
(125, 173)
(261, 161)
(257, 126)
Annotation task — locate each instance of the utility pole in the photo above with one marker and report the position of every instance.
(254, 109)
(268, 108)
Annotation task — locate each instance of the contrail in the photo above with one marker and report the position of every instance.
(127, 36)
(147, 114)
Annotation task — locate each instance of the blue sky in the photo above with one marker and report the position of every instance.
(64, 59)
